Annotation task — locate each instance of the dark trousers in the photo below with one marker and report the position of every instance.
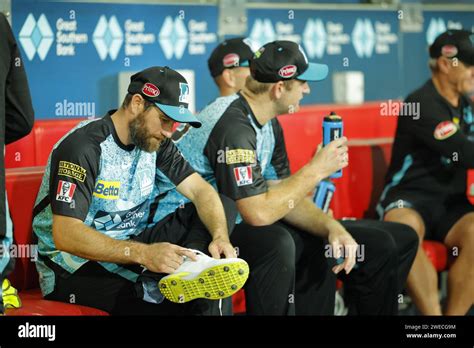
(290, 274)
(93, 286)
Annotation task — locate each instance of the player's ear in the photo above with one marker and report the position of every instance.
(228, 78)
(444, 65)
(136, 104)
(277, 89)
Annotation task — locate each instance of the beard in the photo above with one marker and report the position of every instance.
(141, 137)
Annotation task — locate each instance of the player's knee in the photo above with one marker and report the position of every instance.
(282, 245)
(467, 239)
(408, 217)
(386, 246)
(408, 237)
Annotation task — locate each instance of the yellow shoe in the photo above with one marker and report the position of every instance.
(207, 278)
(10, 295)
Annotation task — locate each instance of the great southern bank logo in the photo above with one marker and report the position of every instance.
(107, 37)
(363, 38)
(36, 36)
(314, 38)
(262, 32)
(436, 27)
(173, 37)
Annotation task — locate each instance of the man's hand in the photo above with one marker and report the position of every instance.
(342, 242)
(331, 158)
(221, 246)
(165, 257)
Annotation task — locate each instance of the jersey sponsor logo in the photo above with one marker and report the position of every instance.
(72, 170)
(287, 71)
(243, 175)
(65, 191)
(449, 51)
(119, 220)
(231, 59)
(239, 156)
(150, 90)
(444, 130)
(183, 93)
(107, 189)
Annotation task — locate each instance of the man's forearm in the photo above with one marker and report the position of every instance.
(90, 244)
(306, 216)
(281, 199)
(212, 214)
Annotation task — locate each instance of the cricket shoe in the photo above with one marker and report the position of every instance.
(207, 278)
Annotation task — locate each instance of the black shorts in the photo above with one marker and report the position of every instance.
(438, 213)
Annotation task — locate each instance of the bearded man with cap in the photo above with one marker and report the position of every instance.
(103, 183)
(240, 149)
(426, 182)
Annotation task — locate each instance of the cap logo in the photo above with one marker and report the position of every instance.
(150, 90)
(183, 93)
(230, 60)
(287, 71)
(449, 51)
(444, 130)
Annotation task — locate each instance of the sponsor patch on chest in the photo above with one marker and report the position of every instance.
(444, 130)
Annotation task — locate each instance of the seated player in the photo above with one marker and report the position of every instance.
(103, 182)
(426, 181)
(241, 150)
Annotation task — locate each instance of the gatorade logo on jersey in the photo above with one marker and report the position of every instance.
(243, 175)
(230, 60)
(65, 191)
(287, 71)
(150, 90)
(444, 130)
(107, 189)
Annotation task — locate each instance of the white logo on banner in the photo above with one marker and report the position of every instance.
(314, 38)
(262, 32)
(173, 37)
(363, 38)
(108, 37)
(36, 36)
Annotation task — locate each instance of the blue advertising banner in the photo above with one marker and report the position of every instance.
(73, 52)
(76, 53)
(348, 40)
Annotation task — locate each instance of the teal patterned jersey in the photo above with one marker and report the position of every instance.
(111, 187)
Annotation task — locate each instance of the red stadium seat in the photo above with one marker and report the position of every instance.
(22, 187)
(21, 153)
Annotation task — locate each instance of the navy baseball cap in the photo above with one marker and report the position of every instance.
(285, 60)
(454, 44)
(168, 90)
(230, 53)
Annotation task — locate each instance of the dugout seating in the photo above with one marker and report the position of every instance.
(356, 192)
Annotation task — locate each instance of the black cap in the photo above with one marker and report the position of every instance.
(229, 54)
(168, 90)
(285, 60)
(454, 44)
